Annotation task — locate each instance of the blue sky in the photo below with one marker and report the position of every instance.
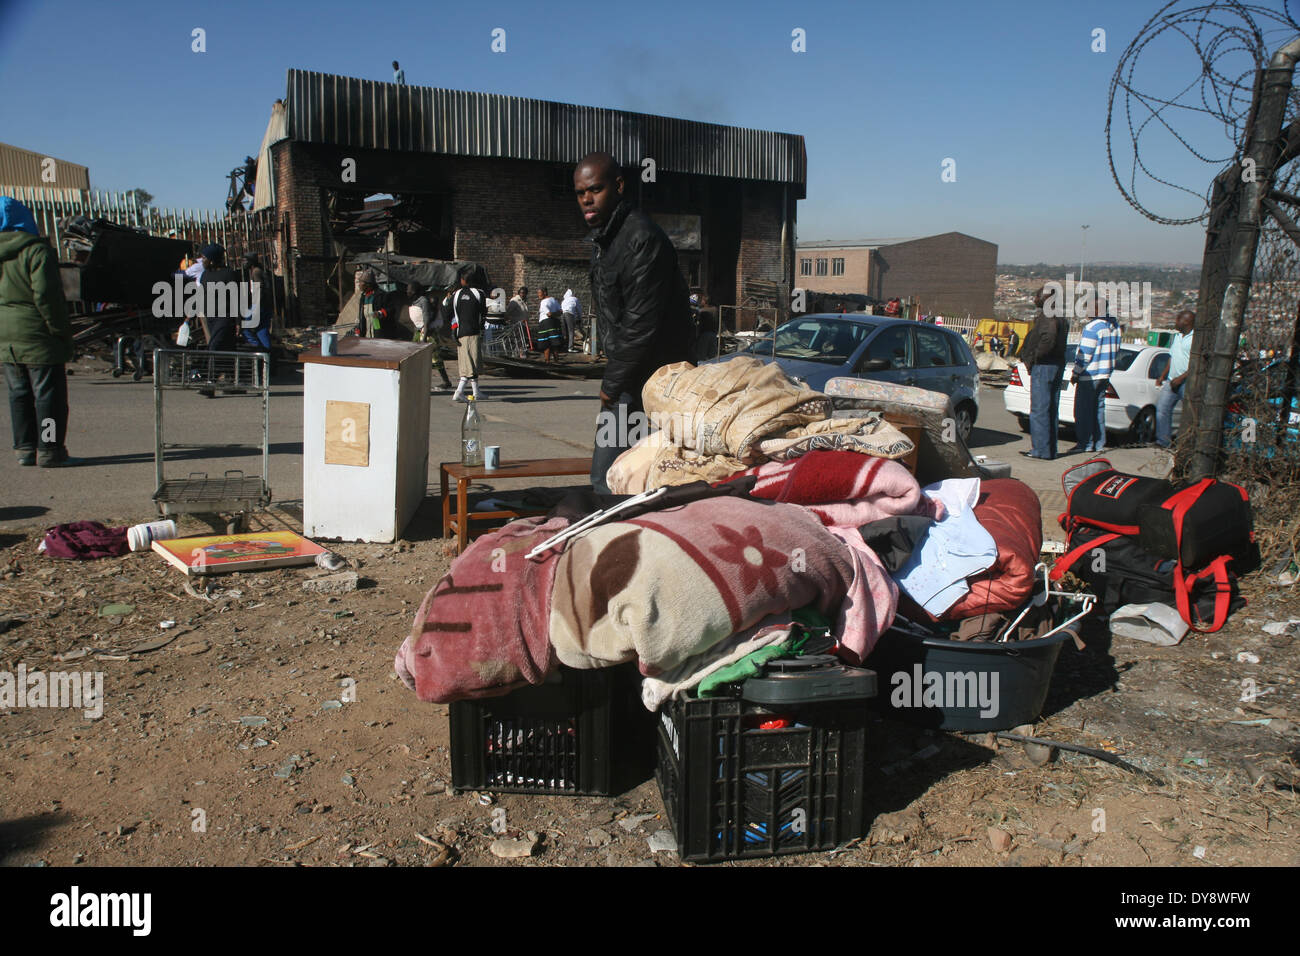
(1009, 89)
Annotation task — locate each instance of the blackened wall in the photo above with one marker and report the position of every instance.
(520, 219)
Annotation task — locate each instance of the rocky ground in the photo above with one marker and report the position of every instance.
(267, 728)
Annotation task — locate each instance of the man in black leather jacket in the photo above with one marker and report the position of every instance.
(640, 302)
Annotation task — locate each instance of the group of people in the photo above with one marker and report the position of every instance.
(558, 320)
(1044, 354)
(36, 332)
(997, 344)
(219, 327)
(463, 312)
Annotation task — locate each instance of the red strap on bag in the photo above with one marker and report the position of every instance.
(1066, 561)
(1183, 587)
(1178, 505)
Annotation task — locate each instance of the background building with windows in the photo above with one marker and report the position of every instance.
(947, 274)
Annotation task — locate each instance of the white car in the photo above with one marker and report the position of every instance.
(1130, 397)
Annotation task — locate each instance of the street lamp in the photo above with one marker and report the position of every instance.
(1082, 242)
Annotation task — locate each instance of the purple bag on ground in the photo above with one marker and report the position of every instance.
(83, 540)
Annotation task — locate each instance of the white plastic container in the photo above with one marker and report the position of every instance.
(142, 536)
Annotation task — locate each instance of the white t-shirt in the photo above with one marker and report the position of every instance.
(549, 304)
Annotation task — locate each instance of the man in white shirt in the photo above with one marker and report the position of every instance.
(1171, 393)
(571, 317)
(399, 75)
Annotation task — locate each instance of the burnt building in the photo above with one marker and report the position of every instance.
(488, 178)
(948, 274)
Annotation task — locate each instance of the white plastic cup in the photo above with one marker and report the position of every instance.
(141, 537)
(329, 343)
(492, 456)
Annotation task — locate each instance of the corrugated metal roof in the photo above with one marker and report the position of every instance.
(346, 111)
(22, 167)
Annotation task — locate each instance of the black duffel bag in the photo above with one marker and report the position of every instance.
(1098, 495)
(1120, 571)
(1199, 523)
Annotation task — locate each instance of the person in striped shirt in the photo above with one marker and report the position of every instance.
(1093, 364)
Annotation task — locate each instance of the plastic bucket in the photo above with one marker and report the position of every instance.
(963, 685)
(141, 537)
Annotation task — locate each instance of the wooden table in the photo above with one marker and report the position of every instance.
(530, 468)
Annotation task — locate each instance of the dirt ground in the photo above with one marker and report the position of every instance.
(232, 743)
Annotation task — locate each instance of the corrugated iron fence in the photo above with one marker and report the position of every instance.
(257, 232)
(237, 232)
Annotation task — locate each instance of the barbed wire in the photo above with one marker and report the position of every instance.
(1231, 42)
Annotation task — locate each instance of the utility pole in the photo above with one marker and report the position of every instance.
(1263, 149)
(1083, 241)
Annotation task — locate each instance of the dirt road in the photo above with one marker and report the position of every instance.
(236, 741)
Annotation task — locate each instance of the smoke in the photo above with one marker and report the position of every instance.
(644, 80)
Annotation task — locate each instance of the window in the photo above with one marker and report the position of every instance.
(1124, 359)
(890, 345)
(805, 267)
(815, 340)
(960, 350)
(931, 348)
(821, 267)
(837, 267)
(1159, 366)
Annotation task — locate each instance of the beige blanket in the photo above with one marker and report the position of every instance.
(716, 420)
(729, 407)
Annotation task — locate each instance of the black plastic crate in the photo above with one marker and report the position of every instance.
(583, 732)
(733, 790)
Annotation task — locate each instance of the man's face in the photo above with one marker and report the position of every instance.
(1184, 322)
(598, 192)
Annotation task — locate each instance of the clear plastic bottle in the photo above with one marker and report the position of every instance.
(471, 434)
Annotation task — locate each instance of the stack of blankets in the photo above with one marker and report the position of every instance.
(716, 420)
(763, 519)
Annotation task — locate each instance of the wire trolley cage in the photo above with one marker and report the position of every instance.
(510, 341)
(233, 493)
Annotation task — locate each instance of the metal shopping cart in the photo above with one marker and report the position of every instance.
(234, 493)
(511, 341)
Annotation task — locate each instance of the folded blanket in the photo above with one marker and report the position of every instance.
(842, 488)
(688, 674)
(871, 435)
(482, 630)
(670, 585)
(729, 407)
(942, 453)
(655, 461)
